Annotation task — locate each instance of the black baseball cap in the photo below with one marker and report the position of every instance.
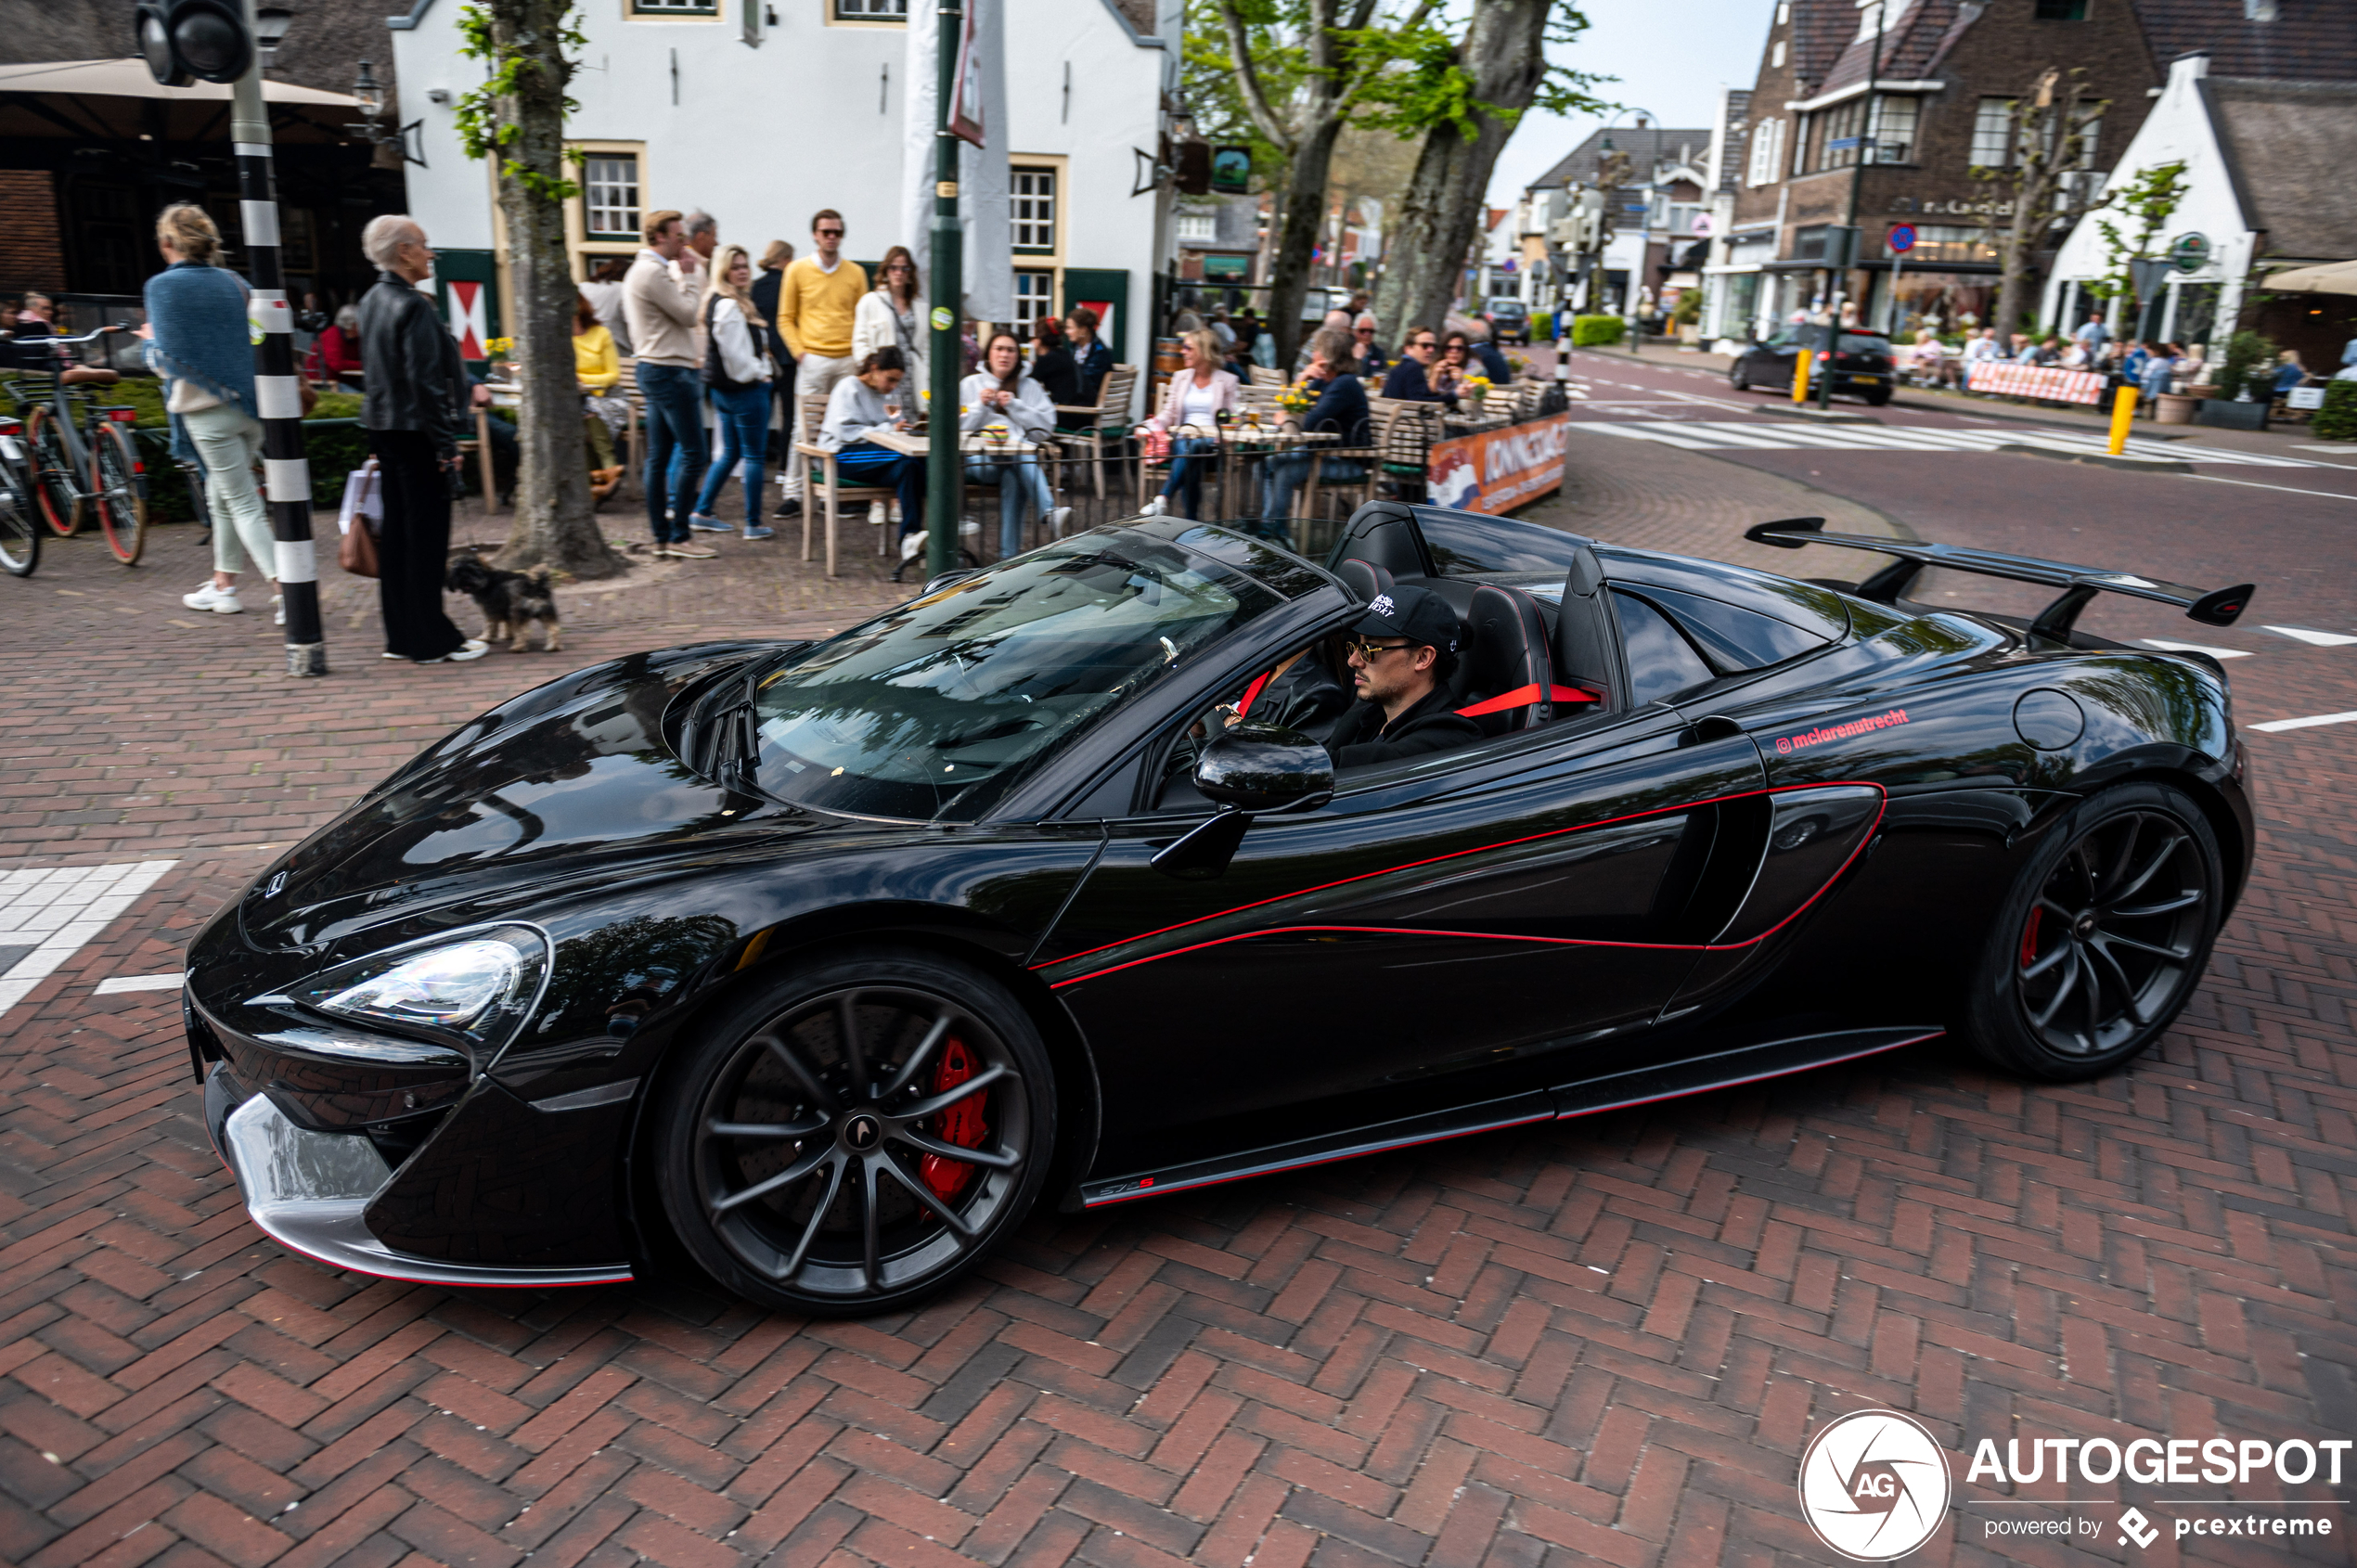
(1418, 614)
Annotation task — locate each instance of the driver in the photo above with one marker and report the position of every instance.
(1402, 652)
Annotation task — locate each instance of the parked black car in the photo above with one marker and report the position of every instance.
(1862, 365)
(1509, 319)
(830, 960)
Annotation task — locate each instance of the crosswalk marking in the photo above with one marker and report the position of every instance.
(2281, 725)
(48, 912)
(1698, 436)
(2316, 640)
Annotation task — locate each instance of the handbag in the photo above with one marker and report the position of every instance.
(363, 505)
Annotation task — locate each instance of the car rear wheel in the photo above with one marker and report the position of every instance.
(1879, 396)
(858, 1133)
(1736, 378)
(2104, 938)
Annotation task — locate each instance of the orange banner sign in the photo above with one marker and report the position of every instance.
(1497, 470)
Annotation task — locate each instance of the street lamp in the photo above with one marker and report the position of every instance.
(270, 25)
(368, 93)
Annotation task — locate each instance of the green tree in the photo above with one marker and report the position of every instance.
(2146, 203)
(2046, 181)
(1465, 99)
(515, 120)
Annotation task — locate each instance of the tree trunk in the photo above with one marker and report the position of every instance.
(554, 523)
(1426, 256)
(1305, 220)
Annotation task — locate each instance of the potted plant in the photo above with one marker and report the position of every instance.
(2245, 385)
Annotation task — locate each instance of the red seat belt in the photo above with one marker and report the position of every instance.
(1522, 696)
(1252, 691)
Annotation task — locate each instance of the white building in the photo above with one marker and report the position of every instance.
(2267, 187)
(763, 112)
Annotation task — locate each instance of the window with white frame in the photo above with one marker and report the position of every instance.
(871, 10)
(610, 195)
(1035, 298)
(1992, 134)
(1895, 129)
(1766, 139)
(1200, 228)
(674, 7)
(1034, 210)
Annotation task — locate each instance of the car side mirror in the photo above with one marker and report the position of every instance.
(1254, 768)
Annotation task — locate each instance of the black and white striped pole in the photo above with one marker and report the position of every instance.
(278, 389)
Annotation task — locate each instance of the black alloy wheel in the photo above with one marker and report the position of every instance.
(857, 1136)
(2104, 938)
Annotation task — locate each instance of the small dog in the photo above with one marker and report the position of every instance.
(510, 601)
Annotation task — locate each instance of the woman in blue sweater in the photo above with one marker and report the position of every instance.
(198, 341)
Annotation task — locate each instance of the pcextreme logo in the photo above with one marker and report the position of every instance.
(1873, 1486)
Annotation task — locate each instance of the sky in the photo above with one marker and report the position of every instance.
(1672, 57)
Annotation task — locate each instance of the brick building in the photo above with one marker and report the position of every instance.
(1832, 140)
(1879, 111)
(1655, 189)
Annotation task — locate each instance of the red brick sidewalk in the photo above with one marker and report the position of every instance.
(1606, 1339)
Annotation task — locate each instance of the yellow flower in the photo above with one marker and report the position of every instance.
(498, 347)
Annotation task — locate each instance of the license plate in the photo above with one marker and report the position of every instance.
(8, 445)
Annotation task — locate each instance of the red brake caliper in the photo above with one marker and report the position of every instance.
(2029, 938)
(960, 1125)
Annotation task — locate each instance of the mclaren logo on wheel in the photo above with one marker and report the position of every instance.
(1873, 1486)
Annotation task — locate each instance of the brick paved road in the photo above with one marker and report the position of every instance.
(1603, 1341)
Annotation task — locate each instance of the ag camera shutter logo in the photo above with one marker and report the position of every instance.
(1874, 1485)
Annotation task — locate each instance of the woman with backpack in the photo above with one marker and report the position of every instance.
(737, 369)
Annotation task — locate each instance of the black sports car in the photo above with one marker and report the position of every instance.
(830, 960)
(1859, 361)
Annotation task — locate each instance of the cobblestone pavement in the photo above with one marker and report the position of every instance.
(1606, 1339)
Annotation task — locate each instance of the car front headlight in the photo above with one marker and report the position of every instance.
(475, 987)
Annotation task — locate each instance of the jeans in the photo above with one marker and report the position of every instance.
(675, 446)
(1283, 474)
(862, 462)
(1191, 457)
(229, 440)
(744, 424)
(1018, 479)
(413, 547)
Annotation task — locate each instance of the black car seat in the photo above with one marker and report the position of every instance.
(1365, 579)
(1505, 680)
(1587, 650)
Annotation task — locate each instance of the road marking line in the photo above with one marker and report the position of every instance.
(49, 912)
(2286, 489)
(123, 982)
(2319, 640)
(2281, 725)
(2196, 648)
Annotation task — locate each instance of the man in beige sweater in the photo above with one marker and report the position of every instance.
(660, 314)
(816, 303)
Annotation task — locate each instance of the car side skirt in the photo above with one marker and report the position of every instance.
(1718, 1069)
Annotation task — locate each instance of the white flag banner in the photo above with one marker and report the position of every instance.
(981, 171)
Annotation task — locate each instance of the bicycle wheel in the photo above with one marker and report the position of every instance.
(120, 487)
(19, 529)
(54, 491)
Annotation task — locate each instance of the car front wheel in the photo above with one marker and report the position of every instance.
(1736, 378)
(857, 1135)
(2104, 938)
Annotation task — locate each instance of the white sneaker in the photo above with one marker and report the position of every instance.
(875, 514)
(1159, 505)
(475, 648)
(912, 546)
(221, 601)
(1056, 520)
(970, 528)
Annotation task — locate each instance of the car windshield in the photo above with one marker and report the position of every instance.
(933, 710)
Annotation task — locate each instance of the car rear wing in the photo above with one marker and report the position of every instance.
(2080, 585)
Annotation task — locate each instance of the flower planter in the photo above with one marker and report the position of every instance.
(2176, 408)
(2225, 412)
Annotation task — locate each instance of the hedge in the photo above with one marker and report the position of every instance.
(2336, 420)
(1588, 330)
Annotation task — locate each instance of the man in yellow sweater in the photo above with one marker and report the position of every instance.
(816, 303)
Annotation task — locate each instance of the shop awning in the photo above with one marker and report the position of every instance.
(2331, 278)
(117, 100)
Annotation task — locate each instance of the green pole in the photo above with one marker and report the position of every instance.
(944, 483)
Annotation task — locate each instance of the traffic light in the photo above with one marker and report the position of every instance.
(186, 41)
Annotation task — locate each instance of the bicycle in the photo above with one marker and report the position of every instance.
(19, 530)
(74, 467)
